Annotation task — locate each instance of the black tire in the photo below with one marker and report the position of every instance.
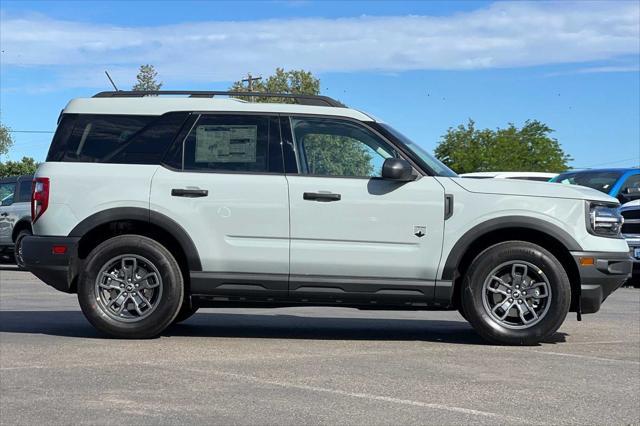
(17, 248)
(491, 328)
(186, 311)
(167, 304)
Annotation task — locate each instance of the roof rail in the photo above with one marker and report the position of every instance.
(315, 100)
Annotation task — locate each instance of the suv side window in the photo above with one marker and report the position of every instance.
(7, 191)
(127, 139)
(24, 191)
(233, 143)
(340, 148)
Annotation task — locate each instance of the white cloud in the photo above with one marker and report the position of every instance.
(501, 35)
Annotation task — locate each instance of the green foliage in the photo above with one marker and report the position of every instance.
(297, 82)
(6, 141)
(337, 156)
(466, 149)
(147, 79)
(26, 166)
(326, 155)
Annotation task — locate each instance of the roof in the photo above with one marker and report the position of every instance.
(159, 105)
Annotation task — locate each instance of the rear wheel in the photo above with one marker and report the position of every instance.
(131, 287)
(516, 293)
(17, 249)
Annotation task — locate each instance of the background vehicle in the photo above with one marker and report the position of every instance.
(631, 232)
(623, 184)
(149, 207)
(537, 176)
(15, 215)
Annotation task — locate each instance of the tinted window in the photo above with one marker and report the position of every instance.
(331, 147)
(631, 182)
(6, 193)
(230, 143)
(127, 139)
(24, 191)
(602, 181)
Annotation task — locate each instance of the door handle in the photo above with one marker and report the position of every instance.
(189, 193)
(321, 196)
(4, 214)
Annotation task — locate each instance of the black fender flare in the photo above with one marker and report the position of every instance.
(24, 222)
(143, 215)
(506, 222)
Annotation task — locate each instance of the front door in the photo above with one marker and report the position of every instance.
(354, 235)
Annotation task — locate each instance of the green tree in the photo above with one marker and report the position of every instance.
(146, 79)
(6, 141)
(467, 149)
(26, 166)
(326, 155)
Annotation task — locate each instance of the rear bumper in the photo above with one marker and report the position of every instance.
(56, 270)
(598, 280)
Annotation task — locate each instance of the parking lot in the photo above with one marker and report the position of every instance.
(310, 366)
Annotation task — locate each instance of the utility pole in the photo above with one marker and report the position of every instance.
(250, 81)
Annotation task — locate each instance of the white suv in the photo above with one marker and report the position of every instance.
(150, 207)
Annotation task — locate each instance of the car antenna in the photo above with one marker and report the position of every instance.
(111, 80)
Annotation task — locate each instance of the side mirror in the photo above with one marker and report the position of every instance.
(397, 169)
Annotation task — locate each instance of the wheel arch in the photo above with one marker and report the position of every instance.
(116, 221)
(24, 223)
(483, 236)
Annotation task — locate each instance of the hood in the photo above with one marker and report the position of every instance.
(532, 188)
(631, 205)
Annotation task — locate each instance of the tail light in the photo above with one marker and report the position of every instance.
(39, 197)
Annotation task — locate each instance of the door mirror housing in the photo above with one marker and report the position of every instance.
(397, 169)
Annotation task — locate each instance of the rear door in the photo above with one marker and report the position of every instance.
(223, 182)
(355, 235)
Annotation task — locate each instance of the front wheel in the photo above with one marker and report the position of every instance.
(131, 287)
(516, 293)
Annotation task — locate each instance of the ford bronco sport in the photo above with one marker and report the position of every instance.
(149, 207)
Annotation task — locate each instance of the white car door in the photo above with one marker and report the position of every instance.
(228, 192)
(353, 234)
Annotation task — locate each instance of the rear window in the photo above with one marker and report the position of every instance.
(129, 139)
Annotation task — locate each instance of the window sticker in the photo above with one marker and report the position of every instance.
(226, 144)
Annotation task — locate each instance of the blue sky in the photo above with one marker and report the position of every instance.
(421, 66)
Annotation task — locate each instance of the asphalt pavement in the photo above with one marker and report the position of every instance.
(310, 366)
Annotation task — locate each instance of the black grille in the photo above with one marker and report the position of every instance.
(631, 221)
(631, 214)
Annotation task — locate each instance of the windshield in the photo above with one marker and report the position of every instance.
(602, 181)
(431, 162)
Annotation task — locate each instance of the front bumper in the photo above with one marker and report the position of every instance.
(633, 240)
(55, 269)
(601, 273)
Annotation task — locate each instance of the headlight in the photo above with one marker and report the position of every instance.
(604, 220)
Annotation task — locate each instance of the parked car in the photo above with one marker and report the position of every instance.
(631, 232)
(15, 215)
(149, 207)
(537, 176)
(618, 183)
